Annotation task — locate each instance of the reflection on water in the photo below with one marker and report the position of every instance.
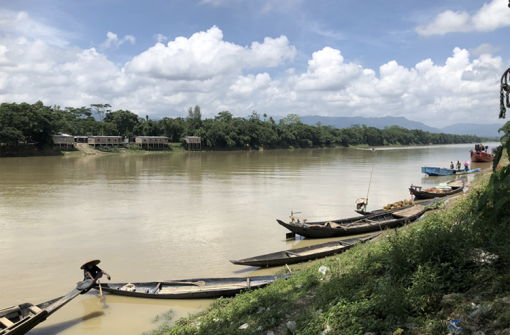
(175, 216)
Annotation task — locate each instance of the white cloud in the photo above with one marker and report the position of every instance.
(485, 48)
(205, 55)
(113, 41)
(21, 24)
(491, 16)
(161, 38)
(203, 69)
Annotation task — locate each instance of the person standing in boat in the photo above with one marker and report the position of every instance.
(466, 166)
(451, 165)
(458, 165)
(92, 271)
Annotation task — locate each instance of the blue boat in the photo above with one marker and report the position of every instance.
(468, 171)
(435, 171)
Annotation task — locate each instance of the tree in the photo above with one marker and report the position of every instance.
(124, 120)
(194, 119)
(100, 111)
(290, 119)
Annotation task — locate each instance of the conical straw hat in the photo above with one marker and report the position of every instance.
(94, 261)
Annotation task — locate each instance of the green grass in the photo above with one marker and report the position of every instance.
(398, 281)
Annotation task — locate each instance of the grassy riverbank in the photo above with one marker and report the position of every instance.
(454, 264)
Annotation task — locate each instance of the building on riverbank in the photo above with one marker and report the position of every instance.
(81, 139)
(150, 141)
(105, 140)
(193, 142)
(63, 141)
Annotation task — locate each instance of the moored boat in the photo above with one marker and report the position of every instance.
(357, 225)
(436, 171)
(479, 156)
(452, 187)
(20, 319)
(198, 288)
(303, 254)
(382, 210)
(468, 171)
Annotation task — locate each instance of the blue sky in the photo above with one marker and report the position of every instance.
(438, 62)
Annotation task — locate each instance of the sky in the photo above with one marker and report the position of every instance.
(436, 62)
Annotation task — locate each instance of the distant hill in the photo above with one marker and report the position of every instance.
(483, 130)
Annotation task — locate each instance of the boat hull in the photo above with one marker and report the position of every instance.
(190, 288)
(479, 156)
(303, 254)
(436, 171)
(358, 225)
(468, 171)
(418, 194)
(26, 316)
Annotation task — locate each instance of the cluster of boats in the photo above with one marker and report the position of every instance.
(480, 155)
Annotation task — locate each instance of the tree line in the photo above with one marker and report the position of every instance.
(35, 123)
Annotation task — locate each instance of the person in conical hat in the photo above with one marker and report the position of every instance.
(92, 271)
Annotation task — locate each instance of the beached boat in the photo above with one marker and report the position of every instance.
(303, 254)
(480, 156)
(436, 171)
(468, 171)
(198, 288)
(382, 210)
(356, 225)
(20, 319)
(442, 190)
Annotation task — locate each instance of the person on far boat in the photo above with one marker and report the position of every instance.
(466, 166)
(458, 165)
(451, 165)
(92, 271)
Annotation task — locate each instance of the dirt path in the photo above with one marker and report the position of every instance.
(84, 147)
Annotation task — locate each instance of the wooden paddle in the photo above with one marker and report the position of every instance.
(103, 299)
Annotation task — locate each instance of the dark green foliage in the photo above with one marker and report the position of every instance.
(125, 122)
(491, 209)
(36, 123)
(106, 148)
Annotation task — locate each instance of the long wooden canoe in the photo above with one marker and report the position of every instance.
(303, 254)
(357, 225)
(198, 288)
(456, 187)
(380, 211)
(19, 319)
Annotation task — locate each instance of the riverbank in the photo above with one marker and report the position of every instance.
(449, 269)
(31, 151)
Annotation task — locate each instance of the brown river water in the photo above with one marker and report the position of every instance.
(152, 217)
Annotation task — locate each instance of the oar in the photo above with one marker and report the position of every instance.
(103, 299)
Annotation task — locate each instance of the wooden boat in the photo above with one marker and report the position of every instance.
(22, 318)
(436, 171)
(480, 156)
(356, 225)
(468, 171)
(456, 187)
(379, 211)
(201, 288)
(303, 254)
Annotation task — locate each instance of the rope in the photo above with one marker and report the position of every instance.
(375, 154)
(505, 91)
